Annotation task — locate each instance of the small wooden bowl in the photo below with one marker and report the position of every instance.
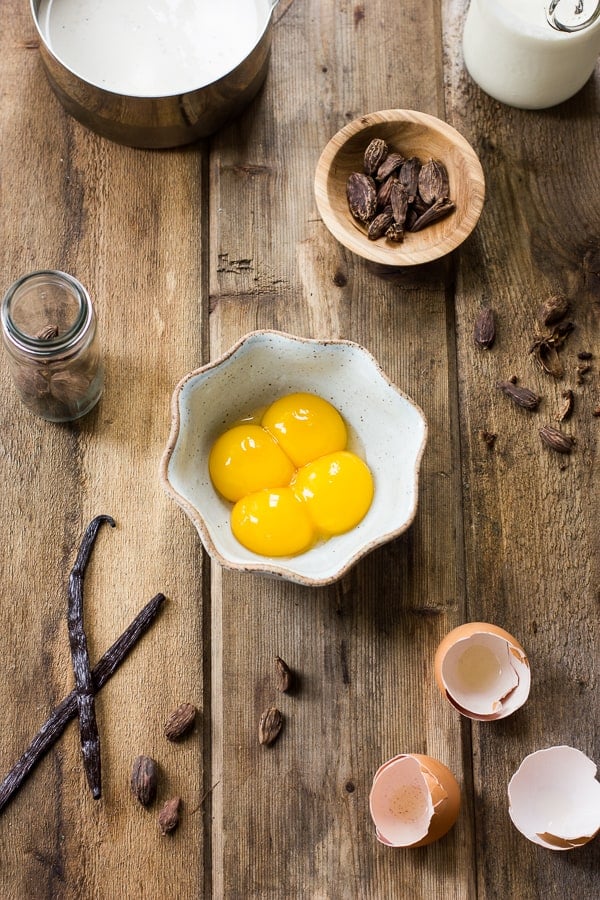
(412, 134)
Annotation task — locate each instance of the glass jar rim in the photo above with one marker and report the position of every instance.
(61, 343)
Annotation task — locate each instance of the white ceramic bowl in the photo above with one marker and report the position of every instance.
(386, 429)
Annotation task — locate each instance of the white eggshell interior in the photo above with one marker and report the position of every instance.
(485, 676)
(386, 429)
(400, 802)
(555, 792)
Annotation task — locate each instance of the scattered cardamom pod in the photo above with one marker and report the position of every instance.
(560, 333)
(284, 675)
(553, 310)
(566, 407)
(180, 721)
(375, 154)
(522, 396)
(557, 440)
(596, 411)
(144, 779)
(168, 817)
(362, 196)
(433, 182)
(545, 356)
(484, 332)
(270, 725)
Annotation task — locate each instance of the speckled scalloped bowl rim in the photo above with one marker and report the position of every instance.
(386, 428)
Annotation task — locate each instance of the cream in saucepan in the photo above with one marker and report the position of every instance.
(152, 48)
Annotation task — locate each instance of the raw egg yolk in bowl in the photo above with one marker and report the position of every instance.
(246, 459)
(291, 478)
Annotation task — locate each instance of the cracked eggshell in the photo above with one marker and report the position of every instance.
(414, 801)
(554, 798)
(483, 671)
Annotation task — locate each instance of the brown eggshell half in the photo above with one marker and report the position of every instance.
(493, 701)
(414, 801)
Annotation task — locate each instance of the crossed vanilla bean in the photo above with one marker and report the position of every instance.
(58, 720)
(84, 686)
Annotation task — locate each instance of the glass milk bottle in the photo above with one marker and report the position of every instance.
(513, 52)
(51, 344)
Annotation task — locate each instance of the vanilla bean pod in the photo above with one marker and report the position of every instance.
(58, 720)
(84, 686)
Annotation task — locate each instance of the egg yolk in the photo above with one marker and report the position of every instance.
(305, 426)
(272, 523)
(337, 490)
(246, 459)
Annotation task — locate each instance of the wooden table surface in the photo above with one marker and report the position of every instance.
(185, 251)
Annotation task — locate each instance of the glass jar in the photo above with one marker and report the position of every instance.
(50, 337)
(516, 56)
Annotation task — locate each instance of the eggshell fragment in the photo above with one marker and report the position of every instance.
(414, 801)
(554, 798)
(483, 671)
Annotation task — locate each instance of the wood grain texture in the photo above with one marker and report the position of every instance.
(531, 516)
(292, 819)
(125, 222)
(183, 253)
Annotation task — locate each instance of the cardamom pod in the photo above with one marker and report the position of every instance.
(144, 779)
(399, 202)
(557, 440)
(362, 196)
(378, 225)
(168, 817)
(48, 333)
(566, 407)
(433, 182)
(180, 721)
(284, 675)
(484, 331)
(439, 210)
(553, 310)
(522, 396)
(270, 725)
(391, 163)
(375, 154)
(545, 356)
(384, 191)
(395, 233)
(409, 176)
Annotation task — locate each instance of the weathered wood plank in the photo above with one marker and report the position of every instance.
(126, 223)
(531, 515)
(293, 820)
